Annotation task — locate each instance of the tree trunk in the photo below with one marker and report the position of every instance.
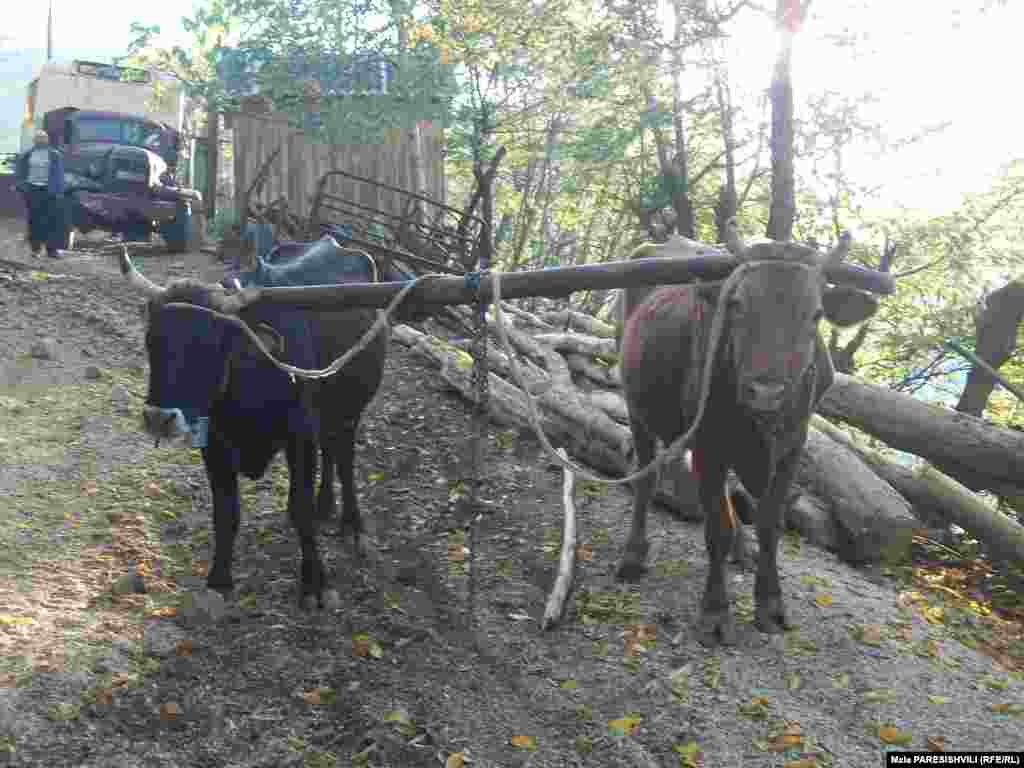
(213, 162)
(726, 207)
(783, 202)
(996, 325)
(976, 453)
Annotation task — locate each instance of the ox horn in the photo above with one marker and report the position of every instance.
(733, 242)
(837, 255)
(137, 279)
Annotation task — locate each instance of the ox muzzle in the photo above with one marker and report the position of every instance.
(763, 395)
(171, 424)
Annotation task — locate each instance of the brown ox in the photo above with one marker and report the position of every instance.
(744, 352)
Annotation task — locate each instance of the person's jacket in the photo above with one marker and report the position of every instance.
(55, 182)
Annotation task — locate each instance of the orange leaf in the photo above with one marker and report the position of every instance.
(184, 648)
(165, 613)
(200, 567)
(892, 735)
(90, 488)
(151, 489)
(312, 697)
(871, 634)
(169, 711)
(456, 552)
(584, 552)
(104, 696)
(936, 743)
(360, 645)
(455, 760)
(524, 742)
(803, 762)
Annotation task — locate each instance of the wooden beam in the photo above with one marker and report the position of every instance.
(554, 282)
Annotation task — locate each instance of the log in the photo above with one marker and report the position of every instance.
(577, 321)
(581, 345)
(1003, 537)
(927, 507)
(554, 282)
(605, 375)
(508, 405)
(975, 452)
(563, 580)
(873, 521)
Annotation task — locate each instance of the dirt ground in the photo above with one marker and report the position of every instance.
(114, 654)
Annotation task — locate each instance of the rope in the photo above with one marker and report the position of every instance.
(680, 443)
(313, 374)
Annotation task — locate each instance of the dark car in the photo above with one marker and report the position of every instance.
(120, 175)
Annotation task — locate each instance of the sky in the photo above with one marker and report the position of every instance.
(933, 61)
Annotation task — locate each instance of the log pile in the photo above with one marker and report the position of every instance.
(846, 497)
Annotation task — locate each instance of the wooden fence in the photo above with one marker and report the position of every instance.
(295, 174)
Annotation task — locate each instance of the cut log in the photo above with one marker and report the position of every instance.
(582, 345)
(577, 321)
(508, 405)
(1003, 537)
(605, 375)
(976, 453)
(928, 508)
(563, 580)
(874, 522)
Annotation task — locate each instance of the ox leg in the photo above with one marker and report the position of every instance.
(351, 520)
(325, 498)
(770, 612)
(301, 469)
(223, 478)
(716, 622)
(634, 557)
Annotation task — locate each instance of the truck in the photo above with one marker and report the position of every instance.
(120, 131)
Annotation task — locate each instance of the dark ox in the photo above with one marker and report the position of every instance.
(745, 353)
(203, 365)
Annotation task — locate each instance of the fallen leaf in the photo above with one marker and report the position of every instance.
(374, 477)
(803, 762)
(403, 722)
(841, 680)
(312, 697)
(104, 696)
(756, 708)
(360, 645)
(151, 489)
(793, 681)
(584, 552)
(184, 648)
(456, 552)
(523, 742)
(90, 487)
(624, 726)
(878, 694)
(936, 743)
(568, 685)
(892, 735)
(938, 700)
(200, 567)
(169, 711)
(455, 760)
(689, 754)
(1007, 708)
(823, 599)
(869, 634)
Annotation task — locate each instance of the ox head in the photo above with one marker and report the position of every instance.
(189, 343)
(769, 312)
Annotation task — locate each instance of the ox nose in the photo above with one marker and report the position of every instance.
(165, 423)
(764, 395)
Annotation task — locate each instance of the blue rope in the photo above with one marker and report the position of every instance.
(473, 281)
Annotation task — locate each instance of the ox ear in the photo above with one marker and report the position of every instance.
(272, 340)
(847, 306)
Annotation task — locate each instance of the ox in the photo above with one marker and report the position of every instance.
(209, 380)
(746, 354)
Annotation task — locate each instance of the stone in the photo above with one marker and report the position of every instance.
(44, 349)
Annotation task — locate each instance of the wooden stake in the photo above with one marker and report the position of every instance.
(563, 581)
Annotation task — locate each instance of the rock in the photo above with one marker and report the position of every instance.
(44, 349)
(161, 638)
(92, 373)
(203, 607)
(121, 400)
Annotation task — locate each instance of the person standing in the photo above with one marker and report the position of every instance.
(40, 177)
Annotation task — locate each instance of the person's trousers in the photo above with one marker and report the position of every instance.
(45, 220)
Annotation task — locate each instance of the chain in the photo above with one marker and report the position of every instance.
(481, 388)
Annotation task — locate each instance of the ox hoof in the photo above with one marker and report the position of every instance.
(770, 616)
(327, 600)
(716, 628)
(634, 561)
